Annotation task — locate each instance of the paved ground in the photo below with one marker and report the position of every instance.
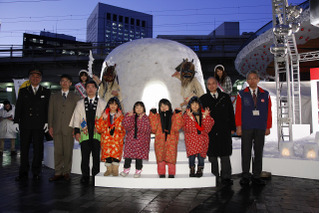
(281, 194)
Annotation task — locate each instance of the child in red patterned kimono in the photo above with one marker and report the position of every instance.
(166, 125)
(137, 142)
(109, 125)
(197, 125)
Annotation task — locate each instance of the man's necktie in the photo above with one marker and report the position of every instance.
(214, 96)
(35, 90)
(64, 96)
(254, 97)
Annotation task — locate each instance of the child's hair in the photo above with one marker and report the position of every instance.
(139, 103)
(165, 102)
(114, 100)
(194, 99)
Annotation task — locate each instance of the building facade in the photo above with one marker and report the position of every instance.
(109, 26)
(53, 44)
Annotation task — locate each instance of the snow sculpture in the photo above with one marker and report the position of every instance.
(144, 70)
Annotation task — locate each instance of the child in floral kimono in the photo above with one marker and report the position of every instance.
(109, 125)
(197, 125)
(166, 125)
(137, 142)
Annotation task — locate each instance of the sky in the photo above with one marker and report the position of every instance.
(170, 17)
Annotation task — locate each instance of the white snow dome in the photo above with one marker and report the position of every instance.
(144, 69)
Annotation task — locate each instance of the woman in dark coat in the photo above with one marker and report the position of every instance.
(220, 145)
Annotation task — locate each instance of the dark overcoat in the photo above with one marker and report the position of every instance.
(222, 112)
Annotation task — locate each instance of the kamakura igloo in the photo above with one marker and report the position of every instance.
(144, 69)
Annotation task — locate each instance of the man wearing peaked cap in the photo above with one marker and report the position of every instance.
(31, 115)
(35, 71)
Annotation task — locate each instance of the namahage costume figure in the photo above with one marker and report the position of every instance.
(108, 85)
(190, 85)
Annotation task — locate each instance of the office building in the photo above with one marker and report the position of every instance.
(109, 26)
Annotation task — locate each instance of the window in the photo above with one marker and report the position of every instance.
(108, 16)
(126, 20)
(115, 18)
(53, 43)
(143, 23)
(205, 48)
(195, 48)
(138, 22)
(218, 47)
(132, 21)
(120, 18)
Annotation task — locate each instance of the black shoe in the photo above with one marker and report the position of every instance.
(13, 153)
(55, 178)
(162, 176)
(67, 177)
(36, 177)
(227, 182)
(244, 181)
(171, 176)
(84, 180)
(21, 178)
(258, 181)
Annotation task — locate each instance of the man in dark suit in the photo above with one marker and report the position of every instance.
(220, 144)
(61, 107)
(31, 115)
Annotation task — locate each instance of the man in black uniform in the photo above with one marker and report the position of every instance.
(32, 116)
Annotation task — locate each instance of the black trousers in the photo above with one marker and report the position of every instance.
(28, 136)
(127, 163)
(225, 166)
(87, 147)
(256, 138)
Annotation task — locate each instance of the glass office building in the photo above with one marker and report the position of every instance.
(109, 26)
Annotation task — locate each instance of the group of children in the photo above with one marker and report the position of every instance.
(136, 127)
(128, 135)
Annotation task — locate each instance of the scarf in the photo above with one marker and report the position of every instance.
(110, 123)
(199, 125)
(165, 118)
(135, 125)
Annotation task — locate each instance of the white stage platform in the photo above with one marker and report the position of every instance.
(149, 177)
(293, 167)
